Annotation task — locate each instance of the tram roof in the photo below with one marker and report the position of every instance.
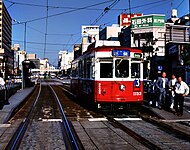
(110, 48)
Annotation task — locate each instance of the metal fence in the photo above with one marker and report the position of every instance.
(7, 91)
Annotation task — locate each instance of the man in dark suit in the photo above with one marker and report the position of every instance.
(162, 85)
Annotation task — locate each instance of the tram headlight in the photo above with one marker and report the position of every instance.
(122, 87)
(103, 92)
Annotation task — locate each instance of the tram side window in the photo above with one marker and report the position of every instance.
(74, 73)
(135, 70)
(80, 69)
(121, 68)
(84, 69)
(88, 64)
(92, 70)
(106, 70)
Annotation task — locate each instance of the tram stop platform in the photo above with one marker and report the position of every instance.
(14, 102)
(168, 115)
(177, 124)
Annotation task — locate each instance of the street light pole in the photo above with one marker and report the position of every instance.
(23, 81)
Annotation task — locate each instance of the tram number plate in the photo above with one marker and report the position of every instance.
(136, 93)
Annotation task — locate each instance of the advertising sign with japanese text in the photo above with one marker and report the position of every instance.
(148, 21)
(125, 19)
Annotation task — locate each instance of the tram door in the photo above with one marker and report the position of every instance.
(136, 74)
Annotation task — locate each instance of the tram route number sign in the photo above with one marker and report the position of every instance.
(121, 53)
(137, 83)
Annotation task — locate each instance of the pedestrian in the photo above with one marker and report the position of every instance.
(2, 81)
(154, 93)
(162, 85)
(181, 90)
(2, 88)
(172, 90)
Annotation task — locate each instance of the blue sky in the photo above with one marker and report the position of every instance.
(67, 17)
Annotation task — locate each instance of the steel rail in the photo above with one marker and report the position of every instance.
(70, 135)
(15, 141)
(133, 134)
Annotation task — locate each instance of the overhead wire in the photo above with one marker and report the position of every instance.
(10, 5)
(105, 11)
(166, 2)
(58, 7)
(179, 4)
(41, 43)
(68, 42)
(86, 7)
(73, 8)
(66, 12)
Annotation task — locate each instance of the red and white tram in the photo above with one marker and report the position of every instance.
(108, 75)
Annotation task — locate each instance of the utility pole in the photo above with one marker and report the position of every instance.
(25, 36)
(46, 29)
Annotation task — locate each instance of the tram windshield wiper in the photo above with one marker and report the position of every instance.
(119, 63)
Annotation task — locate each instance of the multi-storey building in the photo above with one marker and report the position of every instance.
(178, 45)
(147, 33)
(6, 54)
(110, 33)
(34, 59)
(65, 59)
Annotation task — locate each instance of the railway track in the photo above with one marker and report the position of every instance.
(150, 134)
(45, 121)
(93, 130)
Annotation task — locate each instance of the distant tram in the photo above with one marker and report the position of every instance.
(107, 75)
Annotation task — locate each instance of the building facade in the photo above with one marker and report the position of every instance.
(147, 33)
(65, 59)
(110, 33)
(6, 54)
(178, 46)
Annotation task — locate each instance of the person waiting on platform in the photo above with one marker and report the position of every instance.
(162, 85)
(172, 89)
(181, 90)
(2, 81)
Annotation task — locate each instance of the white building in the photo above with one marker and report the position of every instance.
(89, 34)
(65, 59)
(149, 27)
(44, 64)
(110, 32)
(19, 57)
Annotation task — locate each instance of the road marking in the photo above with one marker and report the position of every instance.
(177, 120)
(5, 125)
(52, 120)
(97, 119)
(127, 119)
(118, 119)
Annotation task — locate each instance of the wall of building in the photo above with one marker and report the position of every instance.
(65, 59)
(110, 33)
(6, 59)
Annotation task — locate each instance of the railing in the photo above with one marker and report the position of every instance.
(7, 91)
(177, 34)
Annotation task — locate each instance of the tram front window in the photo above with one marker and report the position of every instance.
(121, 68)
(135, 70)
(106, 70)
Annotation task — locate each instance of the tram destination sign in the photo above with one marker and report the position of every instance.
(120, 52)
(148, 21)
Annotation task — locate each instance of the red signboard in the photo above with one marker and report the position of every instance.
(125, 19)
